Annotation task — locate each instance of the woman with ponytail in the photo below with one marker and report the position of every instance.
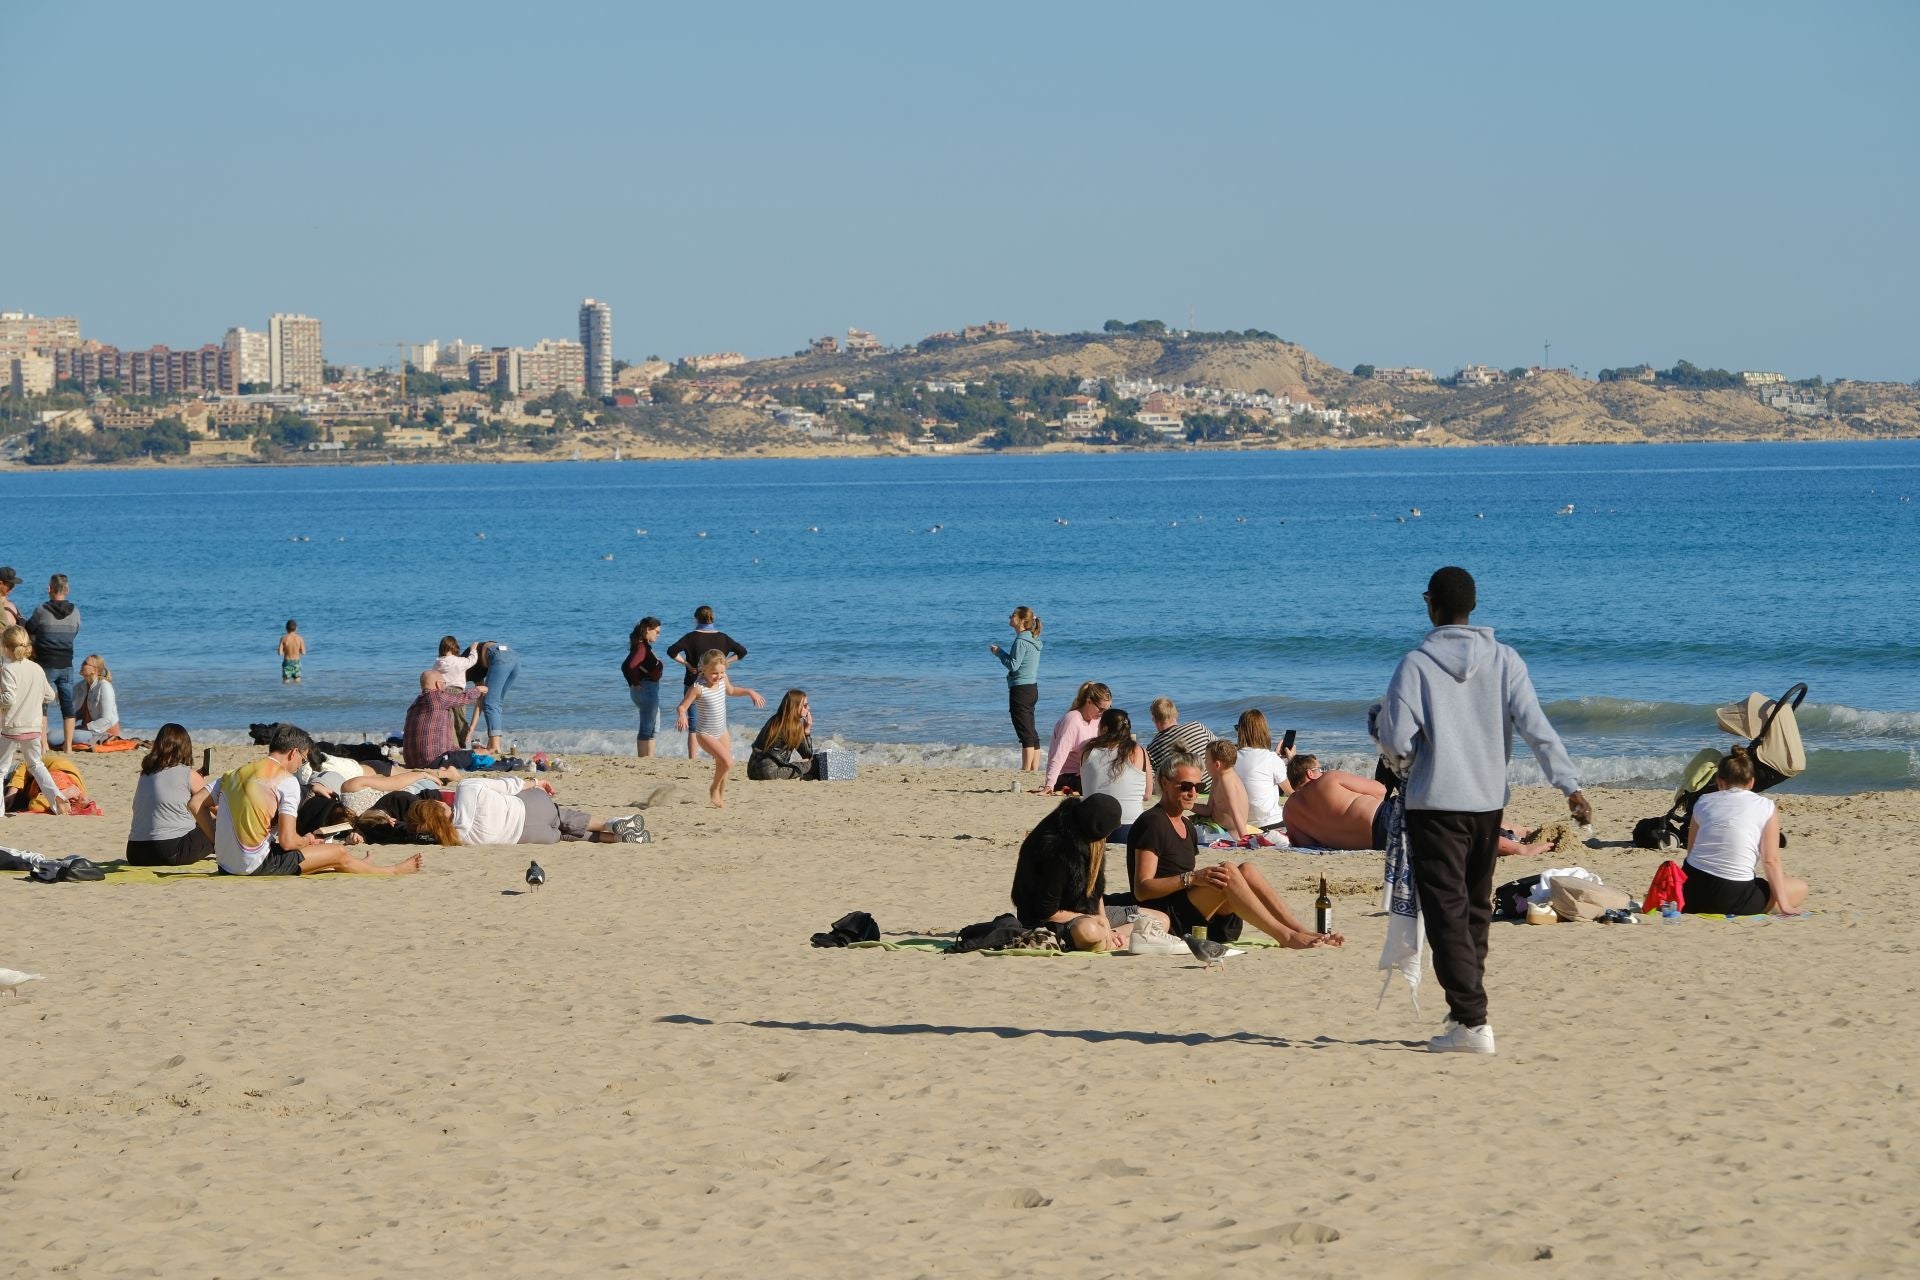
(1733, 849)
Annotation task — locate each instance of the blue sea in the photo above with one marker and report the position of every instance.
(1685, 576)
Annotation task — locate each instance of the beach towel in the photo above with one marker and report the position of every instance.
(1402, 951)
(248, 797)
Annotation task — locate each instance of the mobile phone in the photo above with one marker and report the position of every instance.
(1286, 740)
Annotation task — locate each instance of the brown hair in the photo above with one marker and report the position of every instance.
(1025, 619)
(1116, 731)
(1299, 767)
(1091, 691)
(448, 645)
(56, 584)
(785, 728)
(433, 818)
(1096, 858)
(173, 745)
(1222, 753)
(1736, 768)
(1251, 729)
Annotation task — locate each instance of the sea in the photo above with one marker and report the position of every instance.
(1643, 584)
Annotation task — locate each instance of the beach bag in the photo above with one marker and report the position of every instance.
(1669, 885)
(835, 764)
(1510, 899)
(1575, 899)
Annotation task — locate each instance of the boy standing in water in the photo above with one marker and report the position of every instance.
(292, 648)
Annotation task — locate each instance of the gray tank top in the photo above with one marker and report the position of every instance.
(160, 805)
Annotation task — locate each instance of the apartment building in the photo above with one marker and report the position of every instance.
(250, 356)
(596, 341)
(295, 357)
(29, 373)
(21, 330)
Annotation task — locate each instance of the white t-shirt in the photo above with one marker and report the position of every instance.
(489, 810)
(243, 860)
(1730, 825)
(1128, 784)
(1260, 772)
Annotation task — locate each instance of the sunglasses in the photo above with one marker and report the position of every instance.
(1186, 786)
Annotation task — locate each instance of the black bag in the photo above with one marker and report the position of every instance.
(855, 926)
(75, 868)
(1510, 899)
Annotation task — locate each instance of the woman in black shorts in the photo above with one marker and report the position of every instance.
(1022, 662)
(1162, 866)
(166, 803)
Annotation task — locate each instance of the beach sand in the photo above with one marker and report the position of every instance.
(644, 1065)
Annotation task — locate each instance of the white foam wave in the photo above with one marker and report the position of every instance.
(1853, 722)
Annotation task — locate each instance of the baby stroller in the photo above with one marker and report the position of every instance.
(1774, 740)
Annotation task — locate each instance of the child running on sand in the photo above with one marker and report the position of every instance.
(711, 690)
(293, 647)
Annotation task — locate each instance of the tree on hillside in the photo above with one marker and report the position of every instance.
(1687, 374)
(1363, 371)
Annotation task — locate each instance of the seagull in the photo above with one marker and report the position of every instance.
(701, 534)
(481, 536)
(1566, 510)
(536, 875)
(639, 533)
(1059, 521)
(813, 528)
(1208, 952)
(1479, 515)
(1414, 512)
(607, 556)
(12, 978)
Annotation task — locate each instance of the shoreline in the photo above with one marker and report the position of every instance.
(817, 453)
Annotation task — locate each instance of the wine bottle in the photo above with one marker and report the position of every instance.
(1323, 910)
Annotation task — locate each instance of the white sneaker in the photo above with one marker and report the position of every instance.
(1150, 938)
(1455, 1038)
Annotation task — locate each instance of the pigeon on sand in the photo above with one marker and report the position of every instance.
(1208, 952)
(11, 979)
(536, 875)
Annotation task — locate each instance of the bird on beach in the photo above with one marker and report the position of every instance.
(1208, 952)
(536, 875)
(12, 978)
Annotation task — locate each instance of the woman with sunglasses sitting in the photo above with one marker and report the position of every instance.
(1162, 867)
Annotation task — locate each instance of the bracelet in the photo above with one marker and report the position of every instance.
(1186, 879)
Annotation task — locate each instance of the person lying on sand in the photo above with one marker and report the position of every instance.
(1332, 809)
(515, 811)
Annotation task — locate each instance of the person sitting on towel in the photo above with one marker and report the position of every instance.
(1734, 833)
(1162, 865)
(1060, 878)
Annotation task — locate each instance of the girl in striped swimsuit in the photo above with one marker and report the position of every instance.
(711, 692)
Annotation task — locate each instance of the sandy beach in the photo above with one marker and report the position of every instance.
(645, 1066)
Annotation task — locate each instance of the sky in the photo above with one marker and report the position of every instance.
(1396, 184)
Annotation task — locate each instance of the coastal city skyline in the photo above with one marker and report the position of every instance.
(1431, 190)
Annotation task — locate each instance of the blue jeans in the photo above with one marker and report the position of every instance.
(646, 699)
(61, 678)
(502, 667)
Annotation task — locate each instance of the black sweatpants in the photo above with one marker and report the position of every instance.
(1453, 856)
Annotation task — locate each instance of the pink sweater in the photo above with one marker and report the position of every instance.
(1070, 737)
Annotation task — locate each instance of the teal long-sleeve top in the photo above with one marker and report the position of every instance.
(1023, 660)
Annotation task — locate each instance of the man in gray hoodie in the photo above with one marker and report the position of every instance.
(1451, 709)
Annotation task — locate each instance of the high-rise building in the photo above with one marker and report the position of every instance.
(293, 348)
(18, 329)
(423, 356)
(29, 373)
(249, 357)
(596, 335)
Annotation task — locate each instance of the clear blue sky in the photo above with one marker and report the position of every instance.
(1401, 184)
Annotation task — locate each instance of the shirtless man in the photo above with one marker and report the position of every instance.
(1334, 810)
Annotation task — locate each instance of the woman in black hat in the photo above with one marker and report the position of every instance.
(1060, 880)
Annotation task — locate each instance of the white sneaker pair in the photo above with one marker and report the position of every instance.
(1456, 1038)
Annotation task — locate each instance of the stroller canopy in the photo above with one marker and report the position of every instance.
(1769, 724)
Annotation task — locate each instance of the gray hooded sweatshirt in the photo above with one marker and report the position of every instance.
(1452, 707)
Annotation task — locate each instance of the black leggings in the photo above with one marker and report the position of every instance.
(1021, 700)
